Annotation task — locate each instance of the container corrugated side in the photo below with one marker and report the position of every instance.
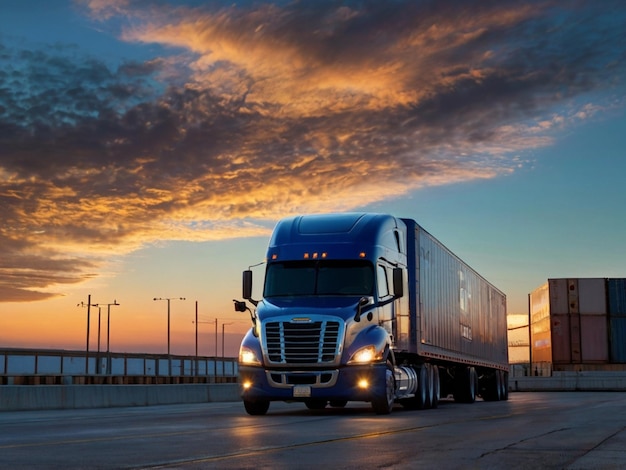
(592, 296)
(539, 303)
(561, 339)
(541, 341)
(617, 296)
(558, 296)
(617, 339)
(462, 316)
(594, 338)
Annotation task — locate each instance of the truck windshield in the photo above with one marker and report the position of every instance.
(304, 278)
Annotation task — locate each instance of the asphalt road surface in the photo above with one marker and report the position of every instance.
(571, 430)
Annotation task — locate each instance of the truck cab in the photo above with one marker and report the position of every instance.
(333, 306)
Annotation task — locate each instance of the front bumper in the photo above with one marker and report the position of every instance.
(352, 383)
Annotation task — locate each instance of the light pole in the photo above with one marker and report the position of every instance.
(88, 305)
(169, 360)
(109, 335)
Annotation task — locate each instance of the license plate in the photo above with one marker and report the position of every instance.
(301, 391)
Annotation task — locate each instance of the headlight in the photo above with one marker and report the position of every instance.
(248, 357)
(365, 355)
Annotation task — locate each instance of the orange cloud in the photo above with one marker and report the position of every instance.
(255, 112)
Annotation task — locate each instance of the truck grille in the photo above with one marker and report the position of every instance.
(302, 343)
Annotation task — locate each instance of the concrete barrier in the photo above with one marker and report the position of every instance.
(588, 381)
(42, 397)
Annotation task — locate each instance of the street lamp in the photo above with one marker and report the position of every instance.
(168, 328)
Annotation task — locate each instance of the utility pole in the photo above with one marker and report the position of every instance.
(108, 371)
(169, 358)
(89, 305)
(196, 370)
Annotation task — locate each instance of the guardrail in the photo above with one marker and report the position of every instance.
(61, 367)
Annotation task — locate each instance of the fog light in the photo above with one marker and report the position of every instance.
(363, 383)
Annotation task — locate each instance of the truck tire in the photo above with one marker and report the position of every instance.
(257, 407)
(315, 404)
(491, 386)
(424, 387)
(383, 404)
(465, 385)
(436, 386)
(505, 385)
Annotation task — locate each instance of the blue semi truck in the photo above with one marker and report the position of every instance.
(369, 307)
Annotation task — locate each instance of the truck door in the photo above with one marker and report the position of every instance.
(393, 313)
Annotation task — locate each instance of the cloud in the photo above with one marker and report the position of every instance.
(258, 111)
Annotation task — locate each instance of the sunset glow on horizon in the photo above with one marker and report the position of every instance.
(147, 148)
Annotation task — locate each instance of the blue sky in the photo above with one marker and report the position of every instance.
(147, 148)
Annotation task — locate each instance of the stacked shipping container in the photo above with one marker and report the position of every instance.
(578, 322)
(616, 290)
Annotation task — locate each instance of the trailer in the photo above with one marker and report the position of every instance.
(369, 307)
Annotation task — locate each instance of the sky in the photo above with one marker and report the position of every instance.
(147, 148)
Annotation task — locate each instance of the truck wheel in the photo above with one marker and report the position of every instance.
(465, 385)
(505, 385)
(383, 404)
(315, 404)
(424, 387)
(491, 386)
(257, 407)
(434, 402)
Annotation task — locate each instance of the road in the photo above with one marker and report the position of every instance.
(574, 430)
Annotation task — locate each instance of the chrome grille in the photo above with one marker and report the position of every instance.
(312, 342)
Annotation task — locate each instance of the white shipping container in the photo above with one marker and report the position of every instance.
(592, 296)
(559, 298)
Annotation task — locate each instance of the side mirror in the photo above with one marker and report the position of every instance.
(247, 284)
(398, 283)
(240, 306)
(363, 302)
